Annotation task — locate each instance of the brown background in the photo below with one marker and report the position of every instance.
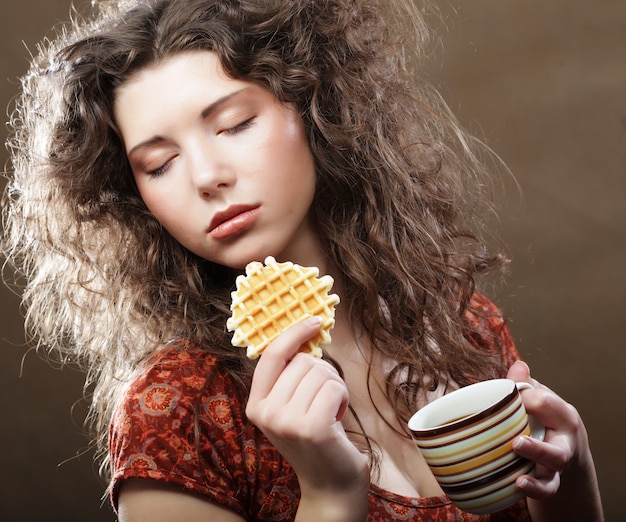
(545, 82)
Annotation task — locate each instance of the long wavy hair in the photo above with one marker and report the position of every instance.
(398, 182)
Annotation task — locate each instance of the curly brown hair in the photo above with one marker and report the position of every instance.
(398, 181)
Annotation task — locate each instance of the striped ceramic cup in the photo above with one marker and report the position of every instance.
(466, 437)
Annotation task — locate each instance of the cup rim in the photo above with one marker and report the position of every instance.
(439, 429)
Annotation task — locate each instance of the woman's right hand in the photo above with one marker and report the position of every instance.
(298, 401)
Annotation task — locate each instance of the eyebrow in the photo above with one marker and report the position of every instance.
(206, 112)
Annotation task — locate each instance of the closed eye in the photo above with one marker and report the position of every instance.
(241, 126)
(159, 171)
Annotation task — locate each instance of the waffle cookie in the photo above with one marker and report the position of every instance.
(271, 297)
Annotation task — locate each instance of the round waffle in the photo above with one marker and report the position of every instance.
(271, 297)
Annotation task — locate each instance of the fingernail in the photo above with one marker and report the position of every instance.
(522, 483)
(519, 443)
(313, 321)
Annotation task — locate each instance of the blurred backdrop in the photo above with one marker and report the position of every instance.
(545, 84)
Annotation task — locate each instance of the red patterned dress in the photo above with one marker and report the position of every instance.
(181, 423)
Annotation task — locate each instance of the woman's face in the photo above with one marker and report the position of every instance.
(221, 163)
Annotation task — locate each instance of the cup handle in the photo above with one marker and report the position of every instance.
(537, 430)
(523, 385)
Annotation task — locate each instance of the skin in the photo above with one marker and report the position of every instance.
(566, 484)
(199, 143)
(218, 144)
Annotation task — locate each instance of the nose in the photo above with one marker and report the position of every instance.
(210, 171)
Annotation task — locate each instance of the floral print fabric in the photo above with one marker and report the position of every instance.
(182, 423)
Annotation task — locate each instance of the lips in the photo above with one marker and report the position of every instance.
(232, 221)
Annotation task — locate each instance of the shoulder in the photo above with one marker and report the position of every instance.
(179, 379)
(168, 390)
(483, 312)
(488, 329)
(184, 365)
(182, 422)
(180, 376)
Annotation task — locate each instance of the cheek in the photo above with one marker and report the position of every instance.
(154, 199)
(300, 163)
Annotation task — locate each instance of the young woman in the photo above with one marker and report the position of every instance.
(163, 145)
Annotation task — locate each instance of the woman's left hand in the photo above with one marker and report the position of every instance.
(565, 486)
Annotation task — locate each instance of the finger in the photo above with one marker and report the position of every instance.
(519, 372)
(300, 382)
(278, 354)
(551, 410)
(553, 455)
(541, 402)
(539, 488)
(331, 402)
(310, 415)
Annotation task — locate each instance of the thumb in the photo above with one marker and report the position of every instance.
(519, 372)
